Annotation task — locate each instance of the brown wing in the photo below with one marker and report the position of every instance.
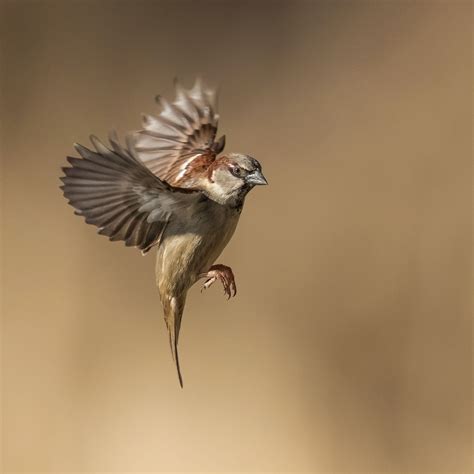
(114, 191)
(182, 137)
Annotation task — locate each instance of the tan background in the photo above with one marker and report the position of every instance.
(348, 346)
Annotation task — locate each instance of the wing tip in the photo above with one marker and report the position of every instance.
(81, 149)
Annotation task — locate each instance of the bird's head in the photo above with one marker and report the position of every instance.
(232, 176)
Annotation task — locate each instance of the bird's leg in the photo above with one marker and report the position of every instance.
(224, 274)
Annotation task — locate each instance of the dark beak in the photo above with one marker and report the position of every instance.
(255, 178)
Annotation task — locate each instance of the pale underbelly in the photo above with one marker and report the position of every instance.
(182, 258)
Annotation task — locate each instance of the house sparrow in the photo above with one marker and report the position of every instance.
(169, 189)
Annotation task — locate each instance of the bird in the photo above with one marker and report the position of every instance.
(169, 187)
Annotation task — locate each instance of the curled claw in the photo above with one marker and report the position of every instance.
(225, 284)
(225, 275)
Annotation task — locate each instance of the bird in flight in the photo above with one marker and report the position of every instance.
(168, 188)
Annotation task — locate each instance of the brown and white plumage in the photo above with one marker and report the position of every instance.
(181, 138)
(168, 188)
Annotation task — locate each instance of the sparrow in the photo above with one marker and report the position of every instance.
(169, 187)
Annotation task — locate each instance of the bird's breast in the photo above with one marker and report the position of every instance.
(191, 247)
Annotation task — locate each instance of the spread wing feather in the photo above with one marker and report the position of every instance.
(114, 191)
(182, 135)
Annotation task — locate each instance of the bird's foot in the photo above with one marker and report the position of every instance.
(224, 274)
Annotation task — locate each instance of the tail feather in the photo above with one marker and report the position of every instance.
(173, 313)
(174, 350)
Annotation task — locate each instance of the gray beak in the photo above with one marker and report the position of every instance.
(256, 177)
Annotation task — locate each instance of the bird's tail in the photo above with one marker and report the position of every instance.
(173, 308)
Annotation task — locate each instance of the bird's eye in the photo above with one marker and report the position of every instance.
(236, 171)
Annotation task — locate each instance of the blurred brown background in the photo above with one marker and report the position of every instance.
(348, 347)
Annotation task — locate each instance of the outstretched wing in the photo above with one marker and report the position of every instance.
(181, 139)
(114, 191)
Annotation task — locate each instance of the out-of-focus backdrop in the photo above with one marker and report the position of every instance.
(348, 346)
